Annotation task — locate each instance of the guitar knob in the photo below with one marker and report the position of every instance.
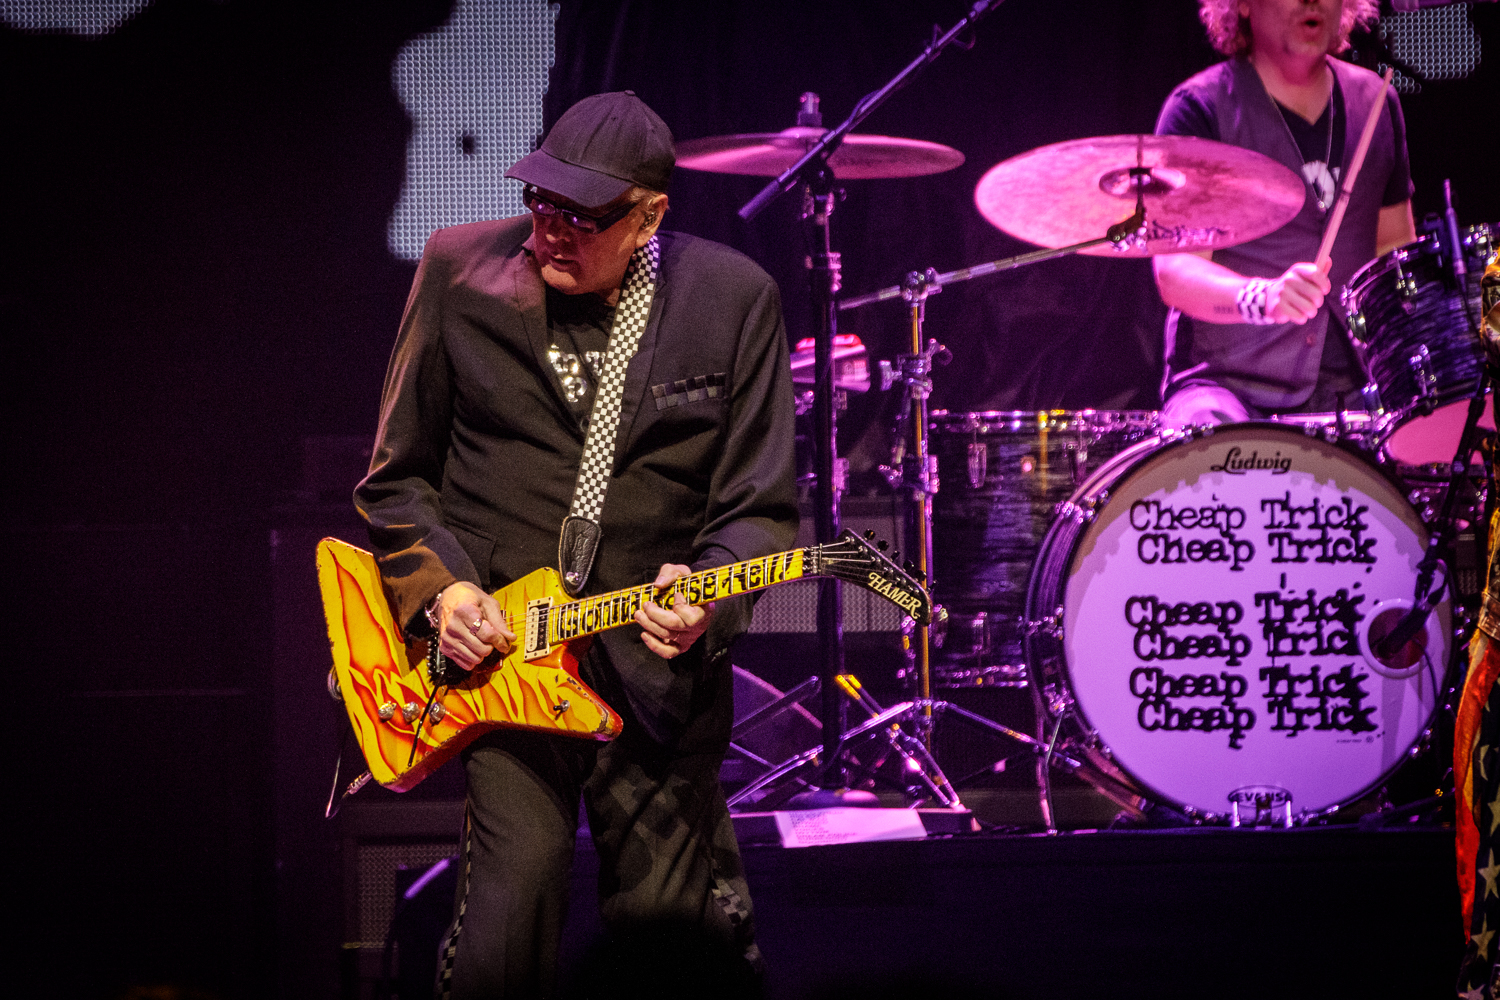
(882, 545)
(869, 534)
(410, 711)
(437, 713)
(386, 711)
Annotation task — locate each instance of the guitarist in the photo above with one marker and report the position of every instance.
(491, 388)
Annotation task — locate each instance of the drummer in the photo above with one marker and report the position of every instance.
(1256, 330)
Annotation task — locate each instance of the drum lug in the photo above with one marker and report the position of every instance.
(1059, 700)
(1371, 395)
(1420, 364)
(1406, 284)
(1051, 625)
(1355, 322)
(1078, 461)
(1083, 512)
(978, 464)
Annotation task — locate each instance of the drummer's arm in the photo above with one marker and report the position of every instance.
(1395, 228)
(1206, 291)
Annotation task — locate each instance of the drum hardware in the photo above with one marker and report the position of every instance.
(1446, 528)
(1270, 805)
(1421, 370)
(815, 171)
(1406, 284)
(851, 371)
(916, 753)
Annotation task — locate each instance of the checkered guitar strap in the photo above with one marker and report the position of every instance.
(580, 529)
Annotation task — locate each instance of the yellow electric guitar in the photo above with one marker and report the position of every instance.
(411, 714)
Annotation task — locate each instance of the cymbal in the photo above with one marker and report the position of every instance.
(859, 157)
(1199, 195)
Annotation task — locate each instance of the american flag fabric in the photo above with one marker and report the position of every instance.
(1476, 785)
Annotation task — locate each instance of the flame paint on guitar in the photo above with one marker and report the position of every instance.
(385, 684)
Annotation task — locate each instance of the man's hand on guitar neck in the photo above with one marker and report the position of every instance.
(668, 632)
(471, 625)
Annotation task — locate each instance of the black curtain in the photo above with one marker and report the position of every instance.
(194, 278)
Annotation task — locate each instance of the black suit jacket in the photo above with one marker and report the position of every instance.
(477, 452)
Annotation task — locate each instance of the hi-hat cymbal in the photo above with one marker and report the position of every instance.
(859, 157)
(1199, 194)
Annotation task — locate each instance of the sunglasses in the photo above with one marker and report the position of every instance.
(583, 223)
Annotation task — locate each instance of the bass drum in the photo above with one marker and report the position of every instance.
(1206, 612)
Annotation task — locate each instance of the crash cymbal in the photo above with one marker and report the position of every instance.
(859, 157)
(1199, 194)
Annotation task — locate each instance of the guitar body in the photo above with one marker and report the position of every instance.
(385, 686)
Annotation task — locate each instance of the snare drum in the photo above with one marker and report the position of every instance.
(1002, 474)
(1413, 331)
(1207, 610)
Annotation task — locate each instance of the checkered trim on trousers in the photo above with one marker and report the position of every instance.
(444, 985)
(630, 322)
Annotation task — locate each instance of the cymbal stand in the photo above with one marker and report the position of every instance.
(812, 172)
(916, 471)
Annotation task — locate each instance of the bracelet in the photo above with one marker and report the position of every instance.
(430, 610)
(1251, 300)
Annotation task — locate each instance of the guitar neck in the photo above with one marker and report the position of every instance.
(591, 615)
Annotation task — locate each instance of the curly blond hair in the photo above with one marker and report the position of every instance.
(1230, 33)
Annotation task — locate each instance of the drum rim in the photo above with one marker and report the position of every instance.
(1429, 242)
(1069, 530)
(990, 421)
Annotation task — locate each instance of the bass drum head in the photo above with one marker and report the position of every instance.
(1217, 614)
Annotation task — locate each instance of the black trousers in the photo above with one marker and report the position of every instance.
(672, 891)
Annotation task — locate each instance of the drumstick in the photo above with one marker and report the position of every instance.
(1337, 218)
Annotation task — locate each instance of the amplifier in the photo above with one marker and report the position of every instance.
(793, 607)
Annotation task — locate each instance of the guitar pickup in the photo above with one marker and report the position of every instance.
(534, 642)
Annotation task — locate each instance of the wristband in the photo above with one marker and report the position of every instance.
(1251, 300)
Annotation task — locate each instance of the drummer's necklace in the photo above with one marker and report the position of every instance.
(1313, 182)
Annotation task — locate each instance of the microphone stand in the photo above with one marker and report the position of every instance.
(813, 173)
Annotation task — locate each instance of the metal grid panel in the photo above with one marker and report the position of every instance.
(377, 883)
(473, 90)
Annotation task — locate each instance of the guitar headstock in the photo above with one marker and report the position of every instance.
(855, 560)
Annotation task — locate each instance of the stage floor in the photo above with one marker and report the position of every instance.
(1194, 913)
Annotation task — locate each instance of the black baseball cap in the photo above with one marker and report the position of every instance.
(599, 148)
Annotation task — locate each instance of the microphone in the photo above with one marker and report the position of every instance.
(1455, 243)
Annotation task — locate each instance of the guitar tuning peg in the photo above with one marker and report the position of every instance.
(869, 534)
(882, 545)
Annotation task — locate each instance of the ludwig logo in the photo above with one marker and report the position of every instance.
(1237, 464)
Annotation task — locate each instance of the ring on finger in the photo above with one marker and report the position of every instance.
(475, 625)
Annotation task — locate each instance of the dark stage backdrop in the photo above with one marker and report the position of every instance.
(194, 282)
